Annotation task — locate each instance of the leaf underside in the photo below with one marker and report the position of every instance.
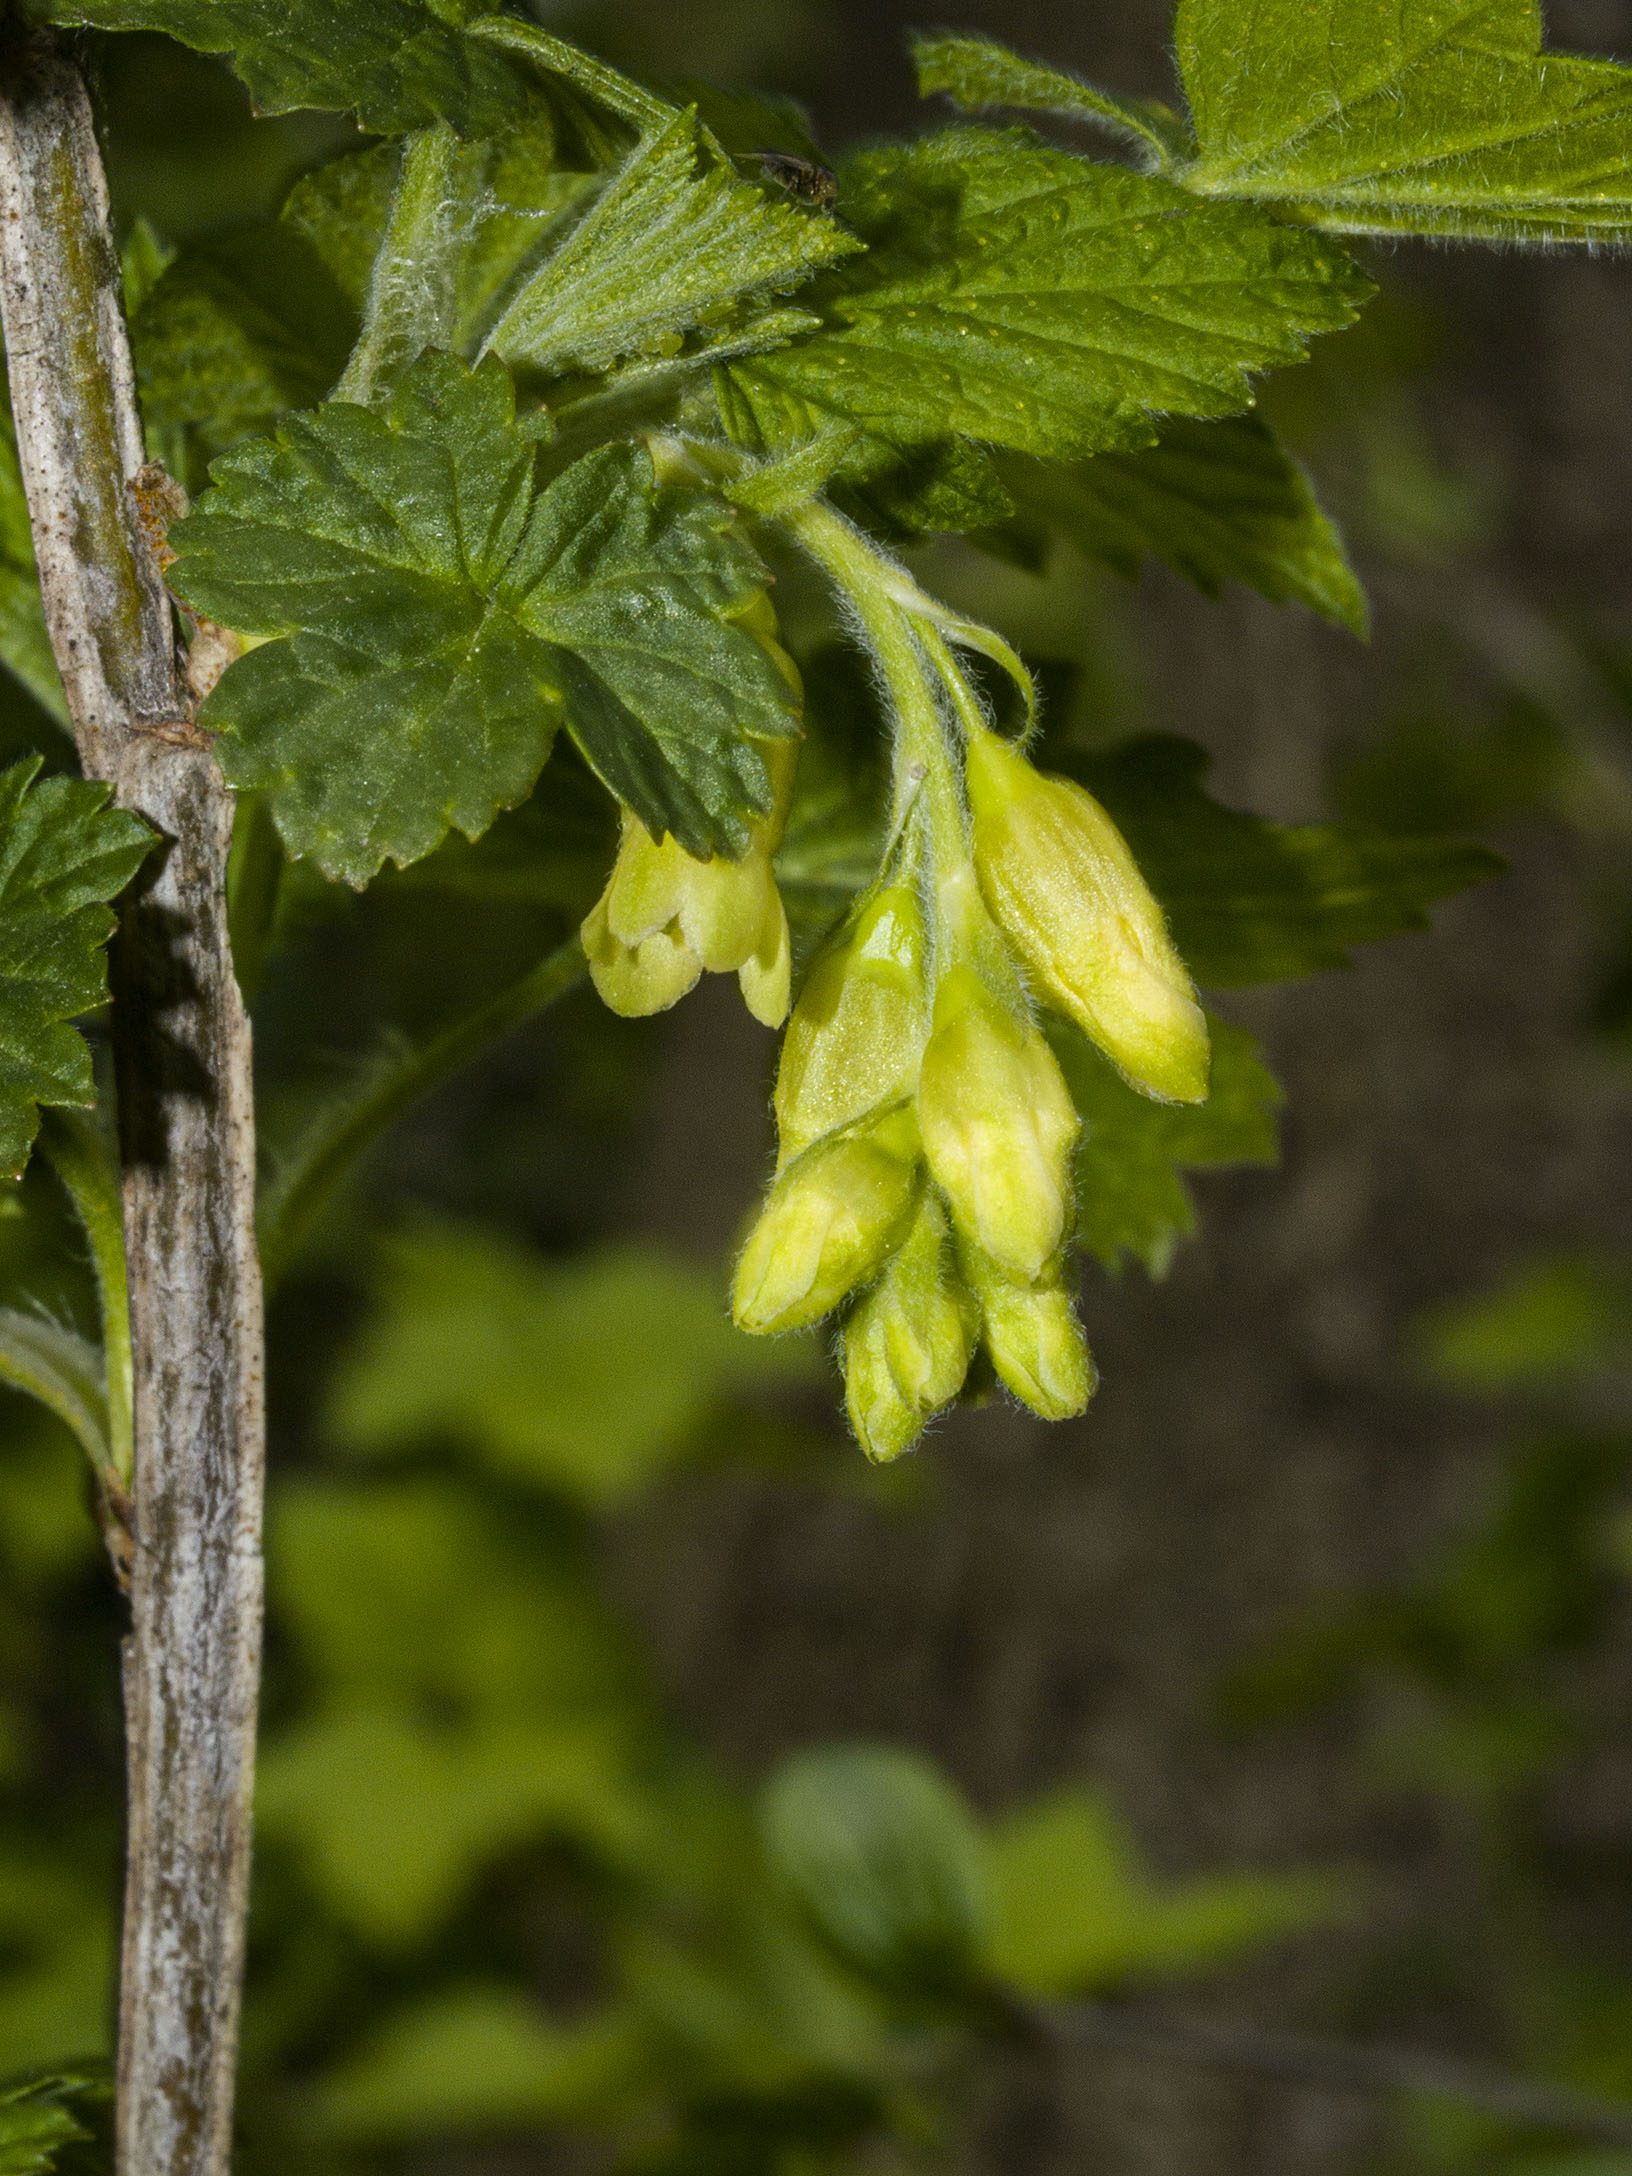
(441, 620)
(63, 855)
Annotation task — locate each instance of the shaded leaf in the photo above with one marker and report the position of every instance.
(400, 64)
(25, 647)
(443, 620)
(524, 1362)
(978, 72)
(1217, 501)
(1432, 117)
(1252, 901)
(1017, 295)
(63, 855)
(1133, 1154)
(884, 1859)
(1075, 1911)
(64, 1372)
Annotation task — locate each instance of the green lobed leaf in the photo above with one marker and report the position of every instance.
(884, 1859)
(1216, 501)
(674, 241)
(979, 73)
(1423, 117)
(1130, 1163)
(1022, 297)
(442, 619)
(1075, 1911)
(1252, 901)
(64, 854)
(400, 64)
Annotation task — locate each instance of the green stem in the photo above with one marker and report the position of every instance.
(412, 295)
(84, 1161)
(341, 1132)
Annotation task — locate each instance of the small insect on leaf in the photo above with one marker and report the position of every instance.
(802, 178)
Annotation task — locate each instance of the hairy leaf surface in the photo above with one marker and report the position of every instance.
(1251, 901)
(441, 620)
(1017, 295)
(674, 240)
(1217, 502)
(63, 855)
(977, 72)
(401, 64)
(1422, 117)
(1131, 1194)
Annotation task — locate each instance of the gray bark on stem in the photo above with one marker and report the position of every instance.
(181, 1041)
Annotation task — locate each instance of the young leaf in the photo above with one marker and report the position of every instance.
(979, 73)
(675, 240)
(1217, 502)
(1022, 297)
(35, 2123)
(884, 1858)
(63, 855)
(1131, 1160)
(401, 64)
(1436, 118)
(442, 621)
(1250, 901)
(65, 1372)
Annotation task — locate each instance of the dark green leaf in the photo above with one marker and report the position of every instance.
(1432, 117)
(36, 2118)
(979, 73)
(1131, 1161)
(1250, 901)
(676, 240)
(63, 855)
(1217, 502)
(1017, 295)
(885, 1860)
(25, 647)
(442, 621)
(400, 64)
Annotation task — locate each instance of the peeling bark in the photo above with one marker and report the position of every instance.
(181, 1041)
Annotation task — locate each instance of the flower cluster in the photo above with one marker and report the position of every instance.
(926, 1131)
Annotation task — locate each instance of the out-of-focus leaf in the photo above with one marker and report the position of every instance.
(1216, 501)
(63, 855)
(525, 1363)
(58, 1942)
(1130, 1163)
(65, 1372)
(1074, 1910)
(884, 1859)
(479, 2057)
(1550, 1325)
(1250, 901)
(442, 620)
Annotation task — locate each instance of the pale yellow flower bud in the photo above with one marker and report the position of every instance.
(998, 1126)
(665, 917)
(858, 1029)
(830, 1219)
(907, 1344)
(1068, 895)
(1034, 1338)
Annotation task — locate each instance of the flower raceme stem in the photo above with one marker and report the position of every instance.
(1068, 896)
